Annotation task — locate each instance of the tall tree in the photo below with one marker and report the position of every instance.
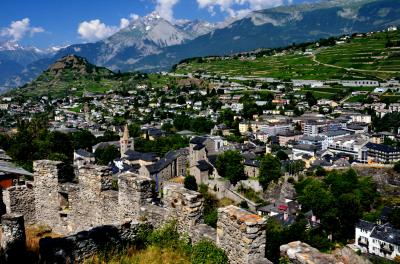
(230, 166)
(270, 170)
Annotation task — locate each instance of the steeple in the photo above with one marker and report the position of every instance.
(126, 133)
(126, 143)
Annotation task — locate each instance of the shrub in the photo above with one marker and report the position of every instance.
(397, 167)
(190, 183)
(244, 205)
(206, 252)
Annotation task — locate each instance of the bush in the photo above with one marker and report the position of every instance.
(244, 205)
(206, 252)
(397, 167)
(190, 183)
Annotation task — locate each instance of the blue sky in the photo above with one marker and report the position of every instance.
(46, 23)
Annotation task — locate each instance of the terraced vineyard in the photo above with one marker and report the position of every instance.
(361, 58)
(366, 55)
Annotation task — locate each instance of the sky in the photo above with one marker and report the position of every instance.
(48, 23)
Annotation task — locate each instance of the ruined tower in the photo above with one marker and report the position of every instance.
(126, 142)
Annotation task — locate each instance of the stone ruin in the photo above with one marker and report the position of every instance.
(90, 205)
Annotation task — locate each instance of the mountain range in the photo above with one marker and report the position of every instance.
(152, 43)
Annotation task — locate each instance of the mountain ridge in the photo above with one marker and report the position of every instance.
(141, 47)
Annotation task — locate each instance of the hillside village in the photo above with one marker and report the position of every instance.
(280, 155)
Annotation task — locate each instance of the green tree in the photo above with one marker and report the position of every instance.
(105, 155)
(282, 155)
(315, 197)
(230, 166)
(349, 212)
(270, 170)
(167, 127)
(310, 98)
(190, 183)
(394, 217)
(134, 130)
(83, 139)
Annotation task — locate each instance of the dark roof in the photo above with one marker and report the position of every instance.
(198, 140)
(166, 161)
(10, 168)
(307, 147)
(84, 153)
(203, 165)
(387, 233)
(382, 148)
(365, 225)
(135, 155)
(340, 132)
(154, 132)
(252, 163)
(198, 147)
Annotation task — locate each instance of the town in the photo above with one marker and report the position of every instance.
(260, 166)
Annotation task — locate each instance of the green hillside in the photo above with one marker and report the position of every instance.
(358, 58)
(72, 75)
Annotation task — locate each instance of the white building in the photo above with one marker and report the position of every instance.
(351, 145)
(381, 240)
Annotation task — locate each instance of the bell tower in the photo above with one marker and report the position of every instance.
(126, 143)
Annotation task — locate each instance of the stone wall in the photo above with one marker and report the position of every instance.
(183, 205)
(21, 199)
(242, 235)
(68, 208)
(92, 201)
(47, 204)
(12, 241)
(78, 247)
(134, 192)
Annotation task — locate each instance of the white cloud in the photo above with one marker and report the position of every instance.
(239, 8)
(19, 29)
(165, 9)
(95, 30)
(124, 23)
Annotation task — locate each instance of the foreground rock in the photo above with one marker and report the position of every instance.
(301, 253)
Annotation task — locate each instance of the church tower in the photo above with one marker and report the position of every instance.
(126, 143)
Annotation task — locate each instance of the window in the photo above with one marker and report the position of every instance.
(64, 202)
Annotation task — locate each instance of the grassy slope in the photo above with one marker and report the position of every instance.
(366, 54)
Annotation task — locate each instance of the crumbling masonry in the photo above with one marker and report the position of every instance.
(91, 201)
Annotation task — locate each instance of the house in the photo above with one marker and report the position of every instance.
(378, 239)
(351, 146)
(379, 153)
(10, 174)
(171, 166)
(83, 157)
(251, 168)
(286, 137)
(301, 149)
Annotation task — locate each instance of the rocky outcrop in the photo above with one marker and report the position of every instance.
(301, 253)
